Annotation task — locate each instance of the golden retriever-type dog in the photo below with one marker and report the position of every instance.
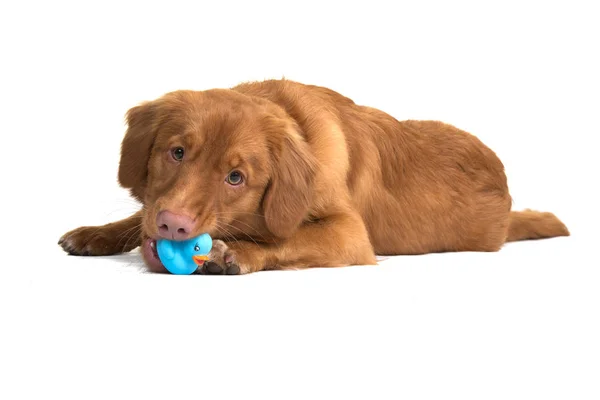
(284, 175)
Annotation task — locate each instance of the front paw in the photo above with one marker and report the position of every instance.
(97, 241)
(222, 261)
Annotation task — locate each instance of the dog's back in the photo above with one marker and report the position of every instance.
(420, 186)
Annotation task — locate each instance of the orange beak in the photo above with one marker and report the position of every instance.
(199, 259)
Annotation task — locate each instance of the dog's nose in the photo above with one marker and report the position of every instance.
(174, 226)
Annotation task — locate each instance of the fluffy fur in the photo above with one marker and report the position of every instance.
(327, 182)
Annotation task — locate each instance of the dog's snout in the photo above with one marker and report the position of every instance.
(174, 226)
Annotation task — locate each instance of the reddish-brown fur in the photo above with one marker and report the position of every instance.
(329, 182)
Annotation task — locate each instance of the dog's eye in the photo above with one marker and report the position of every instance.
(177, 153)
(235, 178)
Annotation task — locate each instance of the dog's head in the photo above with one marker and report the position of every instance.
(219, 162)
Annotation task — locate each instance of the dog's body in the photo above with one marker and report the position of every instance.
(286, 175)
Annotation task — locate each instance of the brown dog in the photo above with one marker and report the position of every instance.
(285, 175)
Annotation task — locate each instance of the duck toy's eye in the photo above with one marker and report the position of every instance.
(196, 248)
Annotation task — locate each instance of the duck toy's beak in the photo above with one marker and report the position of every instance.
(199, 260)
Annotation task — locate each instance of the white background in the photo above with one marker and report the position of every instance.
(518, 324)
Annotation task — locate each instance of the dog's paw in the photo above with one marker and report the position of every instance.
(222, 261)
(97, 241)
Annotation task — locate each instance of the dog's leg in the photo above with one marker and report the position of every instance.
(334, 241)
(117, 237)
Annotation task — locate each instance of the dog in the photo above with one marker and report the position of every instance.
(285, 175)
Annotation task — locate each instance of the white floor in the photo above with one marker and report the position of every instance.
(521, 323)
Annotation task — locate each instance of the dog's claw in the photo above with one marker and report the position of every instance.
(222, 261)
(233, 270)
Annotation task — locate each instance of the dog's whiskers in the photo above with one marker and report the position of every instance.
(135, 234)
(251, 227)
(249, 236)
(226, 233)
(238, 212)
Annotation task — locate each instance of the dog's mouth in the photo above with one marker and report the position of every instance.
(150, 256)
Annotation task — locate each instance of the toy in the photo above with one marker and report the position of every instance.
(184, 257)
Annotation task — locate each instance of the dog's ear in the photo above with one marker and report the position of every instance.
(288, 197)
(136, 147)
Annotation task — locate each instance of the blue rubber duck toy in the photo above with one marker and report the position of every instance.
(184, 257)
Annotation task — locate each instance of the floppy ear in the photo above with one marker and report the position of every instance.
(288, 197)
(135, 149)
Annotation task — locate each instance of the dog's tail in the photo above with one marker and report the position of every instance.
(529, 224)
